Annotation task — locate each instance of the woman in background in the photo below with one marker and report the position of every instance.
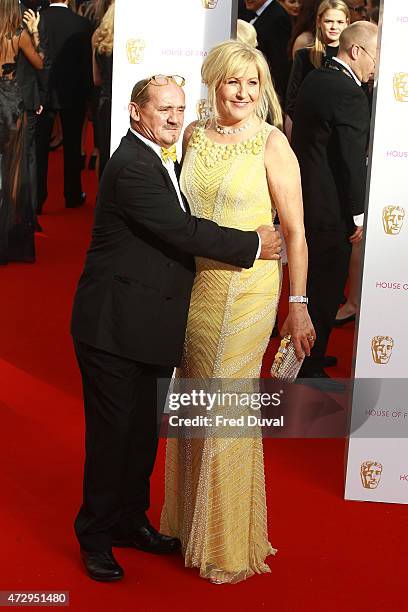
(94, 11)
(246, 33)
(16, 208)
(102, 45)
(292, 7)
(304, 30)
(333, 16)
(237, 171)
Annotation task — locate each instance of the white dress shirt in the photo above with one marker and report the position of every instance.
(358, 219)
(261, 10)
(169, 164)
(60, 4)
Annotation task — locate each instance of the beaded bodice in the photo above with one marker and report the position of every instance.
(227, 183)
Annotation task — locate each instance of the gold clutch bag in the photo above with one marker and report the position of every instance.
(286, 365)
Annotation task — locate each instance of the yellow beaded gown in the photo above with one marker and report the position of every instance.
(215, 488)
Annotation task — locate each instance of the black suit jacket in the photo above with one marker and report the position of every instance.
(134, 294)
(274, 29)
(68, 57)
(330, 133)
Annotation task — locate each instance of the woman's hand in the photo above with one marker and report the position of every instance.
(31, 19)
(299, 325)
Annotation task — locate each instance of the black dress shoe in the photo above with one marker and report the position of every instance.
(76, 203)
(329, 361)
(341, 322)
(101, 566)
(148, 539)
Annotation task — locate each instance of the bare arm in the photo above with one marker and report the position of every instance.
(284, 183)
(97, 78)
(303, 40)
(31, 54)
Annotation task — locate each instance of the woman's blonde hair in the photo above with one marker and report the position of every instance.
(232, 58)
(103, 37)
(318, 49)
(246, 33)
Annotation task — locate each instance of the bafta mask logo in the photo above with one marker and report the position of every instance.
(393, 218)
(400, 82)
(209, 4)
(370, 472)
(135, 50)
(381, 349)
(203, 111)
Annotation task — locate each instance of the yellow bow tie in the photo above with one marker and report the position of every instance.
(170, 153)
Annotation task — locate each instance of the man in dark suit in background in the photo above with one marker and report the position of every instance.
(330, 137)
(68, 52)
(274, 28)
(129, 320)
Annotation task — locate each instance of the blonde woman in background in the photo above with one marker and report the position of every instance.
(102, 63)
(237, 170)
(333, 16)
(246, 33)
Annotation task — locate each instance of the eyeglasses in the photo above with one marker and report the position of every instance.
(369, 54)
(162, 79)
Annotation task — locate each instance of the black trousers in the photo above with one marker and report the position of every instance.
(123, 405)
(329, 256)
(71, 120)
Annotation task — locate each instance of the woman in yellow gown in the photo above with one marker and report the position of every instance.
(237, 170)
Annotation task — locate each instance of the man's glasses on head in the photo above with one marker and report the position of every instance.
(162, 79)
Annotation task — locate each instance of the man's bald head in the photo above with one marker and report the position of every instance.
(358, 48)
(358, 33)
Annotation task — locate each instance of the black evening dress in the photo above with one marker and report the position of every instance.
(16, 207)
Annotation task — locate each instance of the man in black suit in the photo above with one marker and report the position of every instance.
(69, 56)
(129, 320)
(330, 136)
(273, 27)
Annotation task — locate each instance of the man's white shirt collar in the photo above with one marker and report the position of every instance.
(261, 10)
(60, 4)
(169, 164)
(153, 145)
(336, 59)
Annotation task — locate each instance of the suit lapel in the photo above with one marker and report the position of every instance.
(156, 161)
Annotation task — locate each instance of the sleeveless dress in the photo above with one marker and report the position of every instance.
(215, 489)
(16, 207)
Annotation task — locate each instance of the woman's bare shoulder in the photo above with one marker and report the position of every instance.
(303, 40)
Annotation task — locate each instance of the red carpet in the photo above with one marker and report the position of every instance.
(333, 555)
